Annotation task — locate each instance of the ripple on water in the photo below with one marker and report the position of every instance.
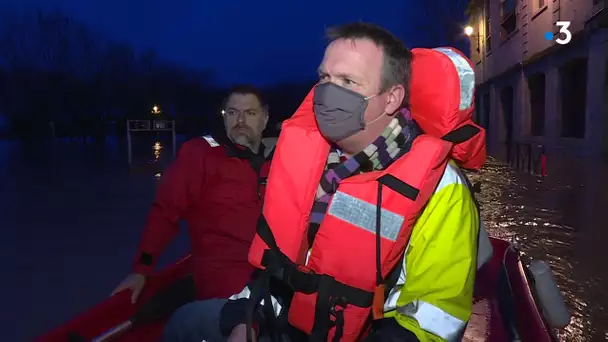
(542, 219)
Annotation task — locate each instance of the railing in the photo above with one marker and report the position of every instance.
(529, 157)
(149, 126)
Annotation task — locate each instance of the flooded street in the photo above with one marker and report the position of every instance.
(561, 219)
(71, 218)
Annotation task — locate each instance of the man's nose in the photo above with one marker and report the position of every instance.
(240, 117)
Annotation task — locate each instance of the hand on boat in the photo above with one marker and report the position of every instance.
(134, 282)
(239, 334)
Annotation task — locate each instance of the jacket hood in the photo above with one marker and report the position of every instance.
(442, 99)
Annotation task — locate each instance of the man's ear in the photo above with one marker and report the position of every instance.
(394, 99)
(266, 116)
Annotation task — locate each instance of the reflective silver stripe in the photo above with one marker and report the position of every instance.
(246, 294)
(210, 141)
(363, 215)
(434, 320)
(466, 75)
(391, 301)
(276, 307)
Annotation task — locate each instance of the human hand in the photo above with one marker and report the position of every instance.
(134, 282)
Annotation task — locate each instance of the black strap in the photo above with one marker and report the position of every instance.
(256, 288)
(323, 309)
(473, 188)
(407, 191)
(256, 160)
(399, 186)
(461, 134)
(332, 295)
(379, 278)
(146, 259)
(302, 281)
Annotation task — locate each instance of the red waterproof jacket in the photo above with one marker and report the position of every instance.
(217, 187)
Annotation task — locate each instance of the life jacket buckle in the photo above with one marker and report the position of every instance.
(337, 305)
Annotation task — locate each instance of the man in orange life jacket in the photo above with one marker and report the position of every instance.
(217, 185)
(384, 246)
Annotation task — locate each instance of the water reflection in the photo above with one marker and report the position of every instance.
(548, 219)
(70, 213)
(157, 148)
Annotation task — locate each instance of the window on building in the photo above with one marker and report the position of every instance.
(537, 5)
(508, 18)
(573, 79)
(507, 8)
(540, 4)
(488, 27)
(536, 87)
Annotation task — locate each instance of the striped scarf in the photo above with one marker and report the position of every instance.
(395, 139)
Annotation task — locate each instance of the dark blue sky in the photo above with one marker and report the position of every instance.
(263, 42)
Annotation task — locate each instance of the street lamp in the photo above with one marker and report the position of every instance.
(468, 30)
(155, 110)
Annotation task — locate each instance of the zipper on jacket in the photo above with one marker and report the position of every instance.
(258, 172)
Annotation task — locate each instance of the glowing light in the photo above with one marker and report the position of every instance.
(155, 110)
(223, 112)
(157, 147)
(468, 30)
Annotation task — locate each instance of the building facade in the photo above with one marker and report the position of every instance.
(534, 90)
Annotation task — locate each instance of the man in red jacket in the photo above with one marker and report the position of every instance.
(216, 184)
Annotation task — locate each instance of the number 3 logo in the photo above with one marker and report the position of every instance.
(563, 28)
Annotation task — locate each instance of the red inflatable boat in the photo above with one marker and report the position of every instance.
(507, 306)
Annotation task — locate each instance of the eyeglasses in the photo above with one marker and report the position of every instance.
(235, 112)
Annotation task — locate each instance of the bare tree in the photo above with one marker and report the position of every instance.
(53, 67)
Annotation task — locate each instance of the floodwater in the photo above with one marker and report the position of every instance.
(563, 219)
(71, 217)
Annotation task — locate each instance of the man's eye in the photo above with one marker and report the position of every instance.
(251, 112)
(348, 81)
(323, 77)
(230, 112)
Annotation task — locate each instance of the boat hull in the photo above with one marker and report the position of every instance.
(504, 307)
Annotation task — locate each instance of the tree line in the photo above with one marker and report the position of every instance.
(56, 72)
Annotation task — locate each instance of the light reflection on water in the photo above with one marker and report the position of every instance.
(551, 219)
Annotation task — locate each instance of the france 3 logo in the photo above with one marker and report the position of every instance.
(564, 35)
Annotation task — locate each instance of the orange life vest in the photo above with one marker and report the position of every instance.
(339, 285)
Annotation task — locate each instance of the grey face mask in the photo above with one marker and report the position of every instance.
(339, 111)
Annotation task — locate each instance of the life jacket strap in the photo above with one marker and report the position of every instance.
(332, 295)
(461, 134)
